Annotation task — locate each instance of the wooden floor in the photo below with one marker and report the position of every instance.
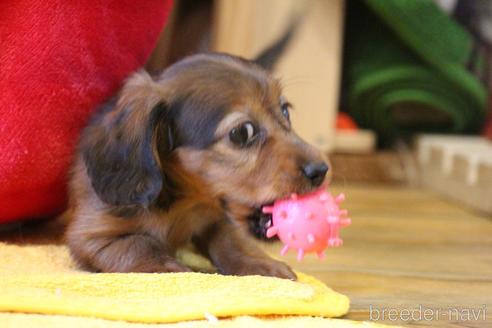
(406, 250)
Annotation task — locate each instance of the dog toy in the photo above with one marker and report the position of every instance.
(307, 223)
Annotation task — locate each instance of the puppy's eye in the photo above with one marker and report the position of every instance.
(243, 135)
(284, 107)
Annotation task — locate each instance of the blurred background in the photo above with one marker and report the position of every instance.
(396, 91)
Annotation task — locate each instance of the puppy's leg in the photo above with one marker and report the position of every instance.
(126, 253)
(136, 253)
(234, 253)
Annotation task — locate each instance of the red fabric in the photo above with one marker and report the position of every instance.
(58, 60)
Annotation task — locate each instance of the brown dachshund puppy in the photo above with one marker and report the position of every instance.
(186, 156)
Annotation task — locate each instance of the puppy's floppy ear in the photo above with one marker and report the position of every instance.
(119, 146)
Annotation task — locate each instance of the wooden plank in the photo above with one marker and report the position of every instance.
(407, 248)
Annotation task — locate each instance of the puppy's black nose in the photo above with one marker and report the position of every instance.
(315, 172)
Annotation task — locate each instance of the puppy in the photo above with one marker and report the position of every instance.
(186, 157)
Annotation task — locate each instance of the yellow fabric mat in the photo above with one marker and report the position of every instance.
(43, 279)
(18, 320)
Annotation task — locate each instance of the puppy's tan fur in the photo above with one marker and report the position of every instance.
(156, 169)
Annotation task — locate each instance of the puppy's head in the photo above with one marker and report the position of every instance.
(214, 120)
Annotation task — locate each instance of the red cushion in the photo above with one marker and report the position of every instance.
(58, 60)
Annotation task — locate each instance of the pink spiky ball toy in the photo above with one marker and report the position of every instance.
(308, 223)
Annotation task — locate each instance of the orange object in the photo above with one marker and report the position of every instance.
(345, 122)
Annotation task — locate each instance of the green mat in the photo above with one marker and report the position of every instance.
(406, 69)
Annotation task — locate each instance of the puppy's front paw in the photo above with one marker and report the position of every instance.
(263, 267)
(166, 265)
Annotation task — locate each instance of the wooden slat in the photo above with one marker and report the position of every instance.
(406, 248)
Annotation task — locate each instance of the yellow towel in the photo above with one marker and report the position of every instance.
(17, 320)
(43, 279)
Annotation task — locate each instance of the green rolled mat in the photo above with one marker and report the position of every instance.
(405, 69)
